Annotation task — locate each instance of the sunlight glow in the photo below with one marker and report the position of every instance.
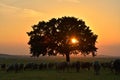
(74, 40)
(17, 17)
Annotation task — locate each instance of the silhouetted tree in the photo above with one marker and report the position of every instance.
(54, 37)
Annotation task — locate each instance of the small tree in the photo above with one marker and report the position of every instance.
(66, 35)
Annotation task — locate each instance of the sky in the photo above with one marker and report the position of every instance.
(17, 17)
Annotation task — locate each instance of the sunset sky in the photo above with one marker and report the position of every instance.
(17, 17)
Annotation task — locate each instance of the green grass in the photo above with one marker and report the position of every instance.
(53, 74)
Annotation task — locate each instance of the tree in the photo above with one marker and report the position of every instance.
(66, 35)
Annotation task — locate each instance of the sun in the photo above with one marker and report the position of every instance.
(74, 40)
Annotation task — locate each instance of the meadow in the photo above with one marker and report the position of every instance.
(53, 74)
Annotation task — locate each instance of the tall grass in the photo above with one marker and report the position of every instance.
(53, 74)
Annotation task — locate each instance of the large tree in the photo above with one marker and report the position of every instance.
(66, 35)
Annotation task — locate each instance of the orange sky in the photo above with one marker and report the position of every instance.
(17, 17)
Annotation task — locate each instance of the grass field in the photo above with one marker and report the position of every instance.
(53, 74)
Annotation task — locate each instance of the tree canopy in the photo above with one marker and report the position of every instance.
(66, 35)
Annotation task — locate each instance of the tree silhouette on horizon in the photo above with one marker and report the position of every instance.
(54, 37)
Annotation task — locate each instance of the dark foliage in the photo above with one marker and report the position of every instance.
(53, 37)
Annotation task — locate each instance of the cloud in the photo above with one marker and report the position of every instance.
(7, 10)
(15, 22)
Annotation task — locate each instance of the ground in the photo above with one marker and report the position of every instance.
(53, 74)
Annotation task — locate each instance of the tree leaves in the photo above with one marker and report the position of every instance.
(52, 37)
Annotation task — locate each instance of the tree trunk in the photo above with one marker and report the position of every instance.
(68, 57)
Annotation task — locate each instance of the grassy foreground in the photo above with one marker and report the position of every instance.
(53, 74)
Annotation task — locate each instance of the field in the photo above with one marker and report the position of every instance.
(53, 74)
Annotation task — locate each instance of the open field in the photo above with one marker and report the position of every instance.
(53, 74)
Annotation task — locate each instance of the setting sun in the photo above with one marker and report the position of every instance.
(74, 40)
(17, 17)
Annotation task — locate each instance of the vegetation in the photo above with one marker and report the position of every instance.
(53, 74)
(66, 35)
